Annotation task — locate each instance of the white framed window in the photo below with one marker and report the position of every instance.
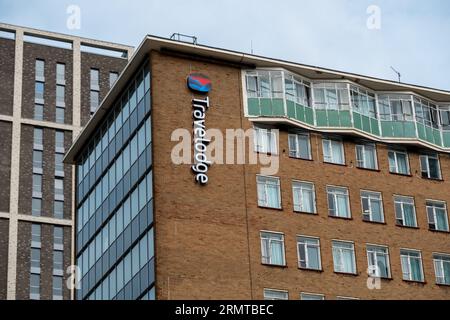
(366, 156)
(344, 257)
(40, 70)
(299, 146)
(273, 294)
(37, 161)
(395, 107)
(331, 96)
(38, 140)
(304, 196)
(59, 189)
(378, 261)
(363, 101)
(372, 206)
(272, 248)
(346, 298)
(311, 296)
(405, 211)
(61, 73)
(37, 186)
(308, 250)
(442, 268)
(35, 287)
(35, 236)
(333, 151)
(430, 167)
(398, 162)
(35, 260)
(58, 263)
(338, 202)
(58, 238)
(437, 215)
(412, 265)
(57, 288)
(269, 194)
(265, 140)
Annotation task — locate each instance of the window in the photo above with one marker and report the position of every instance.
(299, 146)
(59, 117)
(333, 151)
(378, 261)
(411, 265)
(59, 142)
(58, 208)
(94, 101)
(398, 162)
(264, 84)
(59, 189)
(395, 107)
(37, 186)
(59, 166)
(304, 197)
(309, 253)
(297, 90)
(112, 78)
(344, 257)
(265, 141)
(366, 156)
(268, 192)
(372, 206)
(38, 112)
(57, 263)
(271, 294)
(35, 287)
(429, 166)
(437, 215)
(311, 296)
(39, 92)
(35, 260)
(35, 236)
(36, 207)
(338, 202)
(61, 74)
(39, 69)
(38, 143)
(94, 79)
(57, 288)
(58, 238)
(331, 96)
(363, 101)
(37, 161)
(405, 212)
(426, 113)
(442, 268)
(60, 96)
(272, 248)
(95, 90)
(346, 298)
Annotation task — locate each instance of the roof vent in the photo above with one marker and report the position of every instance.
(184, 38)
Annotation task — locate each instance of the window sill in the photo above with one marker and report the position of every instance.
(383, 278)
(298, 158)
(335, 164)
(401, 174)
(341, 218)
(306, 213)
(368, 169)
(406, 227)
(267, 153)
(346, 273)
(440, 231)
(433, 179)
(375, 222)
(270, 208)
(312, 270)
(274, 265)
(445, 285)
(414, 281)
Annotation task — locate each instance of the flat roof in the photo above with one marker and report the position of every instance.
(156, 43)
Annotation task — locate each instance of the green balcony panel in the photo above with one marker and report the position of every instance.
(309, 115)
(357, 121)
(446, 136)
(253, 107)
(345, 119)
(266, 106)
(290, 106)
(421, 131)
(374, 126)
(437, 137)
(386, 129)
(278, 107)
(429, 134)
(321, 117)
(334, 118)
(365, 123)
(300, 112)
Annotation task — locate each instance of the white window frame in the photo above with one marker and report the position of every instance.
(341, 249)
(268, 260)
(306, 246)
(300, 186)
(440, 278)
(334, 194)
(396, 152)
(267, 290)
(427, 206)
(427, 171)
(375, 256)
(328, 156)
(369, 195)
(318, 295)
(266, 202)
(362, 163)
(397, 199)
(409, 264)
(296, 153)
(265, 140)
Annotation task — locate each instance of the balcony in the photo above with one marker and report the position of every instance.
(344, 107)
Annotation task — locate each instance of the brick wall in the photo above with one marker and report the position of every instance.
(4, 231)
(7, 52)
(5, 165)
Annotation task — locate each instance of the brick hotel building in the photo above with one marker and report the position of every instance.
(362, 186)
(50, 85)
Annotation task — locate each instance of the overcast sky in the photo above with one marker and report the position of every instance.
(413, 35)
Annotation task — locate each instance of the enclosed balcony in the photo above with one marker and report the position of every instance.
(344, 105)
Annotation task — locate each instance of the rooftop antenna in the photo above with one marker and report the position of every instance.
(398, 74)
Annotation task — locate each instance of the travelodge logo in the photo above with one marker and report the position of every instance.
(199, 82)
